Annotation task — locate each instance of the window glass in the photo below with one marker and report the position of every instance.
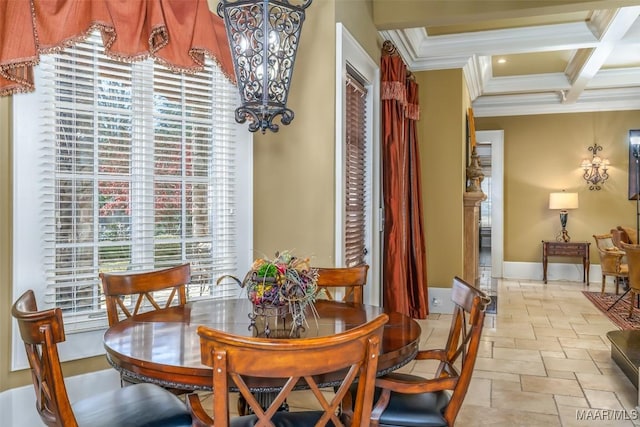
(126, 166)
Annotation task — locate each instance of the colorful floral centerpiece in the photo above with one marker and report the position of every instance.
(281, 286)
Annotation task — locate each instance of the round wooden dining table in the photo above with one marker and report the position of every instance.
(163, 347)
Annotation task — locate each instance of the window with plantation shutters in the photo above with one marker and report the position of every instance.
(355, 171)
(127, 166)
(358, 212)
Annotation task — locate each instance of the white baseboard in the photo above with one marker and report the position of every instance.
(555, 271)
(440, 300)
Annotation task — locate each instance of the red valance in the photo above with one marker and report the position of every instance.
(177, 33)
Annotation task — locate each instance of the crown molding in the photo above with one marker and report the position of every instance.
(550, 103)
(583, 86)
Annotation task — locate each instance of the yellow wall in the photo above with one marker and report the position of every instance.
(542, 154)
(442, 153)
(293, 169)
(357, 16)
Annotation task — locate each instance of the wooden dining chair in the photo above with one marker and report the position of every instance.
(137, 405)
(351, 279)
(299, 363)
(132, 292)
(633, 260)
(408, 400)
(612, 260)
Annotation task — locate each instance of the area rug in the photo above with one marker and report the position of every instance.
(619, 312)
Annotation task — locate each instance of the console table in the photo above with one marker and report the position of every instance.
(566, 249)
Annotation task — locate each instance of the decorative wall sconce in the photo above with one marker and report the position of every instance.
(595, 170)
(563, 201)
(263, 37)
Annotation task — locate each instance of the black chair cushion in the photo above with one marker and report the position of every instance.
(139, 405)
(283, 419)
(414, 410)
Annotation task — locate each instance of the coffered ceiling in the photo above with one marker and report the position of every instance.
(524, 57)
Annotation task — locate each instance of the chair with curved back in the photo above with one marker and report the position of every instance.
(137, 405)
(295, 361)
(408, 400)
(132, 292)
(351, 279)
(611, 260)
(633, 260)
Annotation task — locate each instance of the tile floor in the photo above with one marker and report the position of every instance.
(544, 361)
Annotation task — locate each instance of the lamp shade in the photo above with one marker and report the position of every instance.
(563, 201)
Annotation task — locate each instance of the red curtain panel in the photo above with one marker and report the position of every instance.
(404, 261)
(176, 33)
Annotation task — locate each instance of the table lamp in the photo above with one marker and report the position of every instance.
(563, 201)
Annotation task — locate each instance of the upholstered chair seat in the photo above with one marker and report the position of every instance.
(134, 405)
(409, 410)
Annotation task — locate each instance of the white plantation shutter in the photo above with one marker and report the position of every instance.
(138, 169)
(355, 170)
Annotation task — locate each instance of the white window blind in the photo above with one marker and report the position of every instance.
(355, 169)
(138, 169)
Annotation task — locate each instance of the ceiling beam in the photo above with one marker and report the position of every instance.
(609, 26)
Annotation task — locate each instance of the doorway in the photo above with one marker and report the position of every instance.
(490, 149)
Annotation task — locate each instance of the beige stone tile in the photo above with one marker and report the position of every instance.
(497, 341)
(479, 393)
(614, 382)
(544, 343)
(597, 318)
(594, 328)
(578, 402)
(511, 366)
(568, 387)
(485, 349)
(522, 322)
(602, 399)
(517, 354)
(553, 332)
(577, 353)
(492, 375)
(589, 417)
(554, 354)
(584, 342)
(567, 375)
(600, 355)
(478, 416)
(524, 401)
(510, 332)
(586, 366)
(506, 385)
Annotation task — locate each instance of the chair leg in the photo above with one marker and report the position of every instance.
(617, 284)
(604, 279)
(631, 302)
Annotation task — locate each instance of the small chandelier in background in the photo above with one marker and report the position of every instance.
(595, 170)
(263, 37)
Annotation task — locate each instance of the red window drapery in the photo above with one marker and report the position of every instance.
(404, 260)
(177, 33)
